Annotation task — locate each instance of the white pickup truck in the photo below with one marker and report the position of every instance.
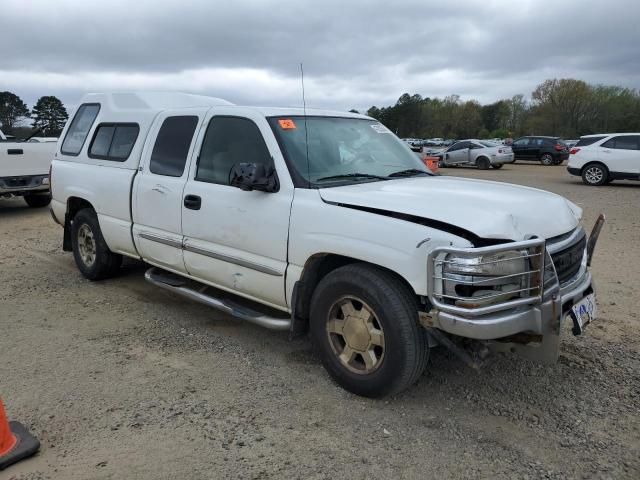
(321, 221)
(24, 170)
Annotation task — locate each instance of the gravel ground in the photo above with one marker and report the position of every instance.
(121, 380)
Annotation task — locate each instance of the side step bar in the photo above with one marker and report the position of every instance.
(180, 286)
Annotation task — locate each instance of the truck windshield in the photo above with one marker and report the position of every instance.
(343, 150)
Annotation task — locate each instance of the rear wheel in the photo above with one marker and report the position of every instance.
(483, 163)
(37, 201)
(595, 174)
(93, 258)
(364, 326)
(547, 159)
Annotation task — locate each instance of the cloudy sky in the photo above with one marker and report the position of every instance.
(356, 53)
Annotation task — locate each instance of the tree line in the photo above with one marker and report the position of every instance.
(565, 107)
(48, 115)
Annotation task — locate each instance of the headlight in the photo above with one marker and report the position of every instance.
(509, 262)
(486, 279)
(45, 180)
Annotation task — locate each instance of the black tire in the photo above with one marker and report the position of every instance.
(497, 166)
(105, 263)
(595, 174)
(483, 163)
(404, 355)
(547, 159)
(37, 201)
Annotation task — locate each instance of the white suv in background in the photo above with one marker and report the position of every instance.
(601, 159)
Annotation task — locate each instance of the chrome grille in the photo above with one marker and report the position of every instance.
(568, 260)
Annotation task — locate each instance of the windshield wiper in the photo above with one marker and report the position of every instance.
(351, 175)
(409, 173)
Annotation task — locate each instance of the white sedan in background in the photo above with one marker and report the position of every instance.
(481, 153)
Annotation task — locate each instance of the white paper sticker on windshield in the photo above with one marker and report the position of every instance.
(378, 127)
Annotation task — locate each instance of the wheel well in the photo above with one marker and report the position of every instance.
(482, 157)
(586, 165)
(74, 205)
(316, 268)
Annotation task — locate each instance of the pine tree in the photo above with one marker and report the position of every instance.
(12, 111)
(50, 115)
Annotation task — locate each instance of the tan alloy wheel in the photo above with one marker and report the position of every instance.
(355, 335)
(86, 245)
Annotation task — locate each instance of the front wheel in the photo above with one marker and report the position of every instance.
(364, 326)
(37, 201)
(497, 166)
(547, 159)
(91, 253)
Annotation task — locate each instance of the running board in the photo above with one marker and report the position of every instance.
(182, 286)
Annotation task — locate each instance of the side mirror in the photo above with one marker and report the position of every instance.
(254, 176)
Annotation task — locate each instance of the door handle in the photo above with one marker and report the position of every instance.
(15, 151)
(192, 202)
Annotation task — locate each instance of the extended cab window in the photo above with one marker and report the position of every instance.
(623, 142)
(79, 128)
(227, 142)
(114, 141)
(169, 154)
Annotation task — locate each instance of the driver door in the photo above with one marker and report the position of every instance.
(233, 239)
(520, 148)
(457, 154)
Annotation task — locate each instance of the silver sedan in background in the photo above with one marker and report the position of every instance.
(481, 153)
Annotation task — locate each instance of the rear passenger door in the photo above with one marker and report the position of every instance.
(158, 188)
(621, 154)
(237, 240)
(536, 146)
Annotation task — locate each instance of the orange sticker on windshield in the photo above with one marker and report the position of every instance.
(287, 124)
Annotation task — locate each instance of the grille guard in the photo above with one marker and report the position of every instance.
(533, 250)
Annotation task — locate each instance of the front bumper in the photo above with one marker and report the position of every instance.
(540, 321)
(537, 319)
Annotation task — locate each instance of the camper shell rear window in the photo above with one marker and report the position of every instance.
(79, 129)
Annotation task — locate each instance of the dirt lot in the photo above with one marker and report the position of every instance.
(121, 380)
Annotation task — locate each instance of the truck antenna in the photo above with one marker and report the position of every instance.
(306, 135)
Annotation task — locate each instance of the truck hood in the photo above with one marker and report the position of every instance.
(490, 210)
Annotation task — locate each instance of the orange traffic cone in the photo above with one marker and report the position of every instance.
(16, 442)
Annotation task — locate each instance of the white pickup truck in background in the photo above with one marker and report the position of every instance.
(320, 221)
(24, 169)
